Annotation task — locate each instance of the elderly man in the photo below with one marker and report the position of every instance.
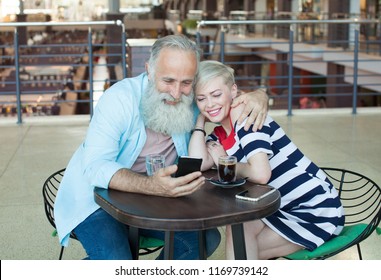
(151, 113)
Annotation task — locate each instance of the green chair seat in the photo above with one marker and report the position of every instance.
(348, 234)
(148, 245)
(150, 242)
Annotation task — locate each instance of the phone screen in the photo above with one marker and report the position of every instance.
(188, 165)
(255, 193)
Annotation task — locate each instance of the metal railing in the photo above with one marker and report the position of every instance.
(303, 63)
(43, 62)
(332, 67)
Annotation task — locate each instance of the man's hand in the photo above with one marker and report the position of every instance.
(160, 184)
(166, 185)
(256, 108)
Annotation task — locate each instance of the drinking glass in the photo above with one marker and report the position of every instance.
(227, 166)
(154, 163)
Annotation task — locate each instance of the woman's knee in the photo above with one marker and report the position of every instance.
(254, 227)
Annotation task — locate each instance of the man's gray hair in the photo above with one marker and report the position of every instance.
(179, 42)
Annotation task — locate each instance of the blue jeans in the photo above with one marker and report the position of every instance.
(104, 238)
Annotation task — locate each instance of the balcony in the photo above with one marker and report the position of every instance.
(299, 61)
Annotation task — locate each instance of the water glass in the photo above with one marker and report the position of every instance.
(154, 163)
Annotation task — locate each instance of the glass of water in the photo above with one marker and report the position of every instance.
(154, 163)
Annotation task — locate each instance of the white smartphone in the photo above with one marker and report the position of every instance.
(255, 193)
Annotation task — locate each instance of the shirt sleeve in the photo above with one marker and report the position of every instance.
(254, 142)
(112, 121)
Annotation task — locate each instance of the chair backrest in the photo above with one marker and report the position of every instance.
(49, 193)
(360, 196)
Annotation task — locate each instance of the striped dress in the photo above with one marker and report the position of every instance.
(310, 212)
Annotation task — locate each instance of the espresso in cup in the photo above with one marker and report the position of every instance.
(227, 166)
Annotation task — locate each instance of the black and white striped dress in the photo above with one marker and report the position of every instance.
(310, 211)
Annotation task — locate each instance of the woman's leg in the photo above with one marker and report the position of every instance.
(261, 242)
(103, 237)
(272, 245)
(251, 231)
(229, 250)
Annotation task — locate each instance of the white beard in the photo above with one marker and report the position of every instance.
(164, 118)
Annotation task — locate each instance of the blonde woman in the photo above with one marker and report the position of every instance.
(310, 212)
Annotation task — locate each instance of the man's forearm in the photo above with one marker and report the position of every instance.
(128, 181)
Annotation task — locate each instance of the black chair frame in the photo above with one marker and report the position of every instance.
(361, 199)
(49, 193)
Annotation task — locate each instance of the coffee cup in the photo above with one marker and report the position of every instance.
(227, 169)
(154, 163)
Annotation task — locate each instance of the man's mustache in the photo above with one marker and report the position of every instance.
(165, 96)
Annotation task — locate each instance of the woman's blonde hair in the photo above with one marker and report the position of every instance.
(210, 69)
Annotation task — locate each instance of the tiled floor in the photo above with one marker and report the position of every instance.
(33, 150)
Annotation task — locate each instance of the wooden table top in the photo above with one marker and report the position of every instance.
(209, 207)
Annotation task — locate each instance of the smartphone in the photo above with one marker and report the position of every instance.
(255, 193)
(187, 165)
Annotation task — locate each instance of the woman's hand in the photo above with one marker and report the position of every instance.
(215, 150)
(256, 108)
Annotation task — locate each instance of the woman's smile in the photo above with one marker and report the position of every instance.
(214, 112)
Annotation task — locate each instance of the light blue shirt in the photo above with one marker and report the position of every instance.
(114, 140)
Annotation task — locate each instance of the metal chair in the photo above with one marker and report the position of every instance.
(361, 199)
(49, 193)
